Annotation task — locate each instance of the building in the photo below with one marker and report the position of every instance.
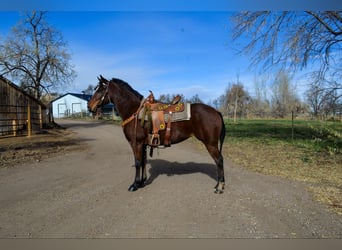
(19, 111)
(70, 104)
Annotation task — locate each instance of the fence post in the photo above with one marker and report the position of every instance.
(14, 127)
(113, 114)
(28, 120)
(292, 124)
(40, 117)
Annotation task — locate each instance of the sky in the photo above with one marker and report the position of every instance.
(174, 5)
(169, 50)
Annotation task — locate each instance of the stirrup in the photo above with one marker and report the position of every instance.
(155, 140)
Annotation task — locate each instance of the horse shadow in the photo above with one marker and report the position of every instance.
(161, 167)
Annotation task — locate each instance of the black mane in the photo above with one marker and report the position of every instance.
(127, 86)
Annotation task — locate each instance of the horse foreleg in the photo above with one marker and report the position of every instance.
(140, 165)
(136, 184)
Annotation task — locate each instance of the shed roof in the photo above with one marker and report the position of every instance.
(80, 96)
(83, 97)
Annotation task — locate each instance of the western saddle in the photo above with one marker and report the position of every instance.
(156, 112)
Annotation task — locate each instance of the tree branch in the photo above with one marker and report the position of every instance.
(326, 25)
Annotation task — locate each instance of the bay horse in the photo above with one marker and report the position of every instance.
(206, 124)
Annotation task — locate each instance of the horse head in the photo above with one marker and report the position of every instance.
(100, 97)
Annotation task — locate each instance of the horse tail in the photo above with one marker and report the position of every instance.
(223, 132)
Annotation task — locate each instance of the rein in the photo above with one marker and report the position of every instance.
(134, 115)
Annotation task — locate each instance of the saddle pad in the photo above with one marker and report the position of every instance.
(176, 116)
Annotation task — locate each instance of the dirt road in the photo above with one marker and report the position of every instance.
(84, 195)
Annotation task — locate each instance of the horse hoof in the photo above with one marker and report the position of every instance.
(133, 188)
(218, 191)
(219, 188)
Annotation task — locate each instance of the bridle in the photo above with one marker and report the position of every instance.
(104, 95)
(129, 119)
(134, 116)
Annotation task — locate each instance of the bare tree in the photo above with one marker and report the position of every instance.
(315, 98)
(259, 104)
(219, 103)
(284, 99)
(195, 99)
(323, 96)
(236, 100)
(294, 41)
(35, 54)
(291, 39)
(89, 90)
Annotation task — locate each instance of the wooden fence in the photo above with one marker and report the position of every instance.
(16, 120)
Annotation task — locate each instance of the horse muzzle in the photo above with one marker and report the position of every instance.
(92, 106)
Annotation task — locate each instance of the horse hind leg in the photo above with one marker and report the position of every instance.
(219, 188)
(217, 156)
(143, 167)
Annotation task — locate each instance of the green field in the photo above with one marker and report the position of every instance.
(316, 135)
(308, 151)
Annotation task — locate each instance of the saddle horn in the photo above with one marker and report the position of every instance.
(150, 98)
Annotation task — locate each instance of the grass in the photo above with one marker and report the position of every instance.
(308, 151)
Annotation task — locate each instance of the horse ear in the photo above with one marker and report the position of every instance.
(102, 80)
